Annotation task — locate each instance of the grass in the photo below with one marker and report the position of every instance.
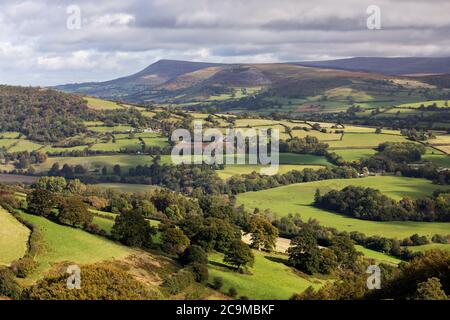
(99, 104)
(114, 129)
(66, 244)
(236, 170)
(127, 187)
(98, 162)
(298, 198)
(271, 278)
(355, 154)
(13, 238)
(364, 140)
(430, 246)
(377, 256)
(439, 104)
(24, 145)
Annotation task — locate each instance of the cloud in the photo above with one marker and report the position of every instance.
(118, 38)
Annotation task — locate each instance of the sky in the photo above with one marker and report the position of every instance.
(50, 42)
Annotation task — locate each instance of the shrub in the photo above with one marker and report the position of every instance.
(232, 292)
(24, 266)
(194, 254)
(179, 281)
(8, 285)
(200, 272)
(217, 283)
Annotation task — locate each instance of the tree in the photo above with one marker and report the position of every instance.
(430, 290)
(73, 212)
(304, 253)
(345, 251)
(239, 255)
(40, 202)
(174, 240)
(132, 229)
(194, 254)
(263, 233)
(117, 170)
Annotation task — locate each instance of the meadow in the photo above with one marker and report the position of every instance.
(66, 244)
(13, 238)
(236, 170)
(270, 277)
(298, 198)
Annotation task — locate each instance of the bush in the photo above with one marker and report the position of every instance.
(200, 272)
(99, 282)
(217, 283)
(179, 281)
(8, 285)
(194, 254)
(232, 292)
(24, 266)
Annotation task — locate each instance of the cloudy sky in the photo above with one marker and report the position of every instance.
(41, 44)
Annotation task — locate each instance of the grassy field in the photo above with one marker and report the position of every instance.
(98, 162)
(127, 187)
(271, 278)
(439, 104)
(13, 238)
(113, 129)
(377, 256)
(236, 170)
(364, 140)
(99, 104)
(66, 244)
(430, 246)
(298, 198)
(355, 154)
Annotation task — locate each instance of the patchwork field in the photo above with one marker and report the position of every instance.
(271, 278)
(13, 238)
(364, 140)
(298, 198)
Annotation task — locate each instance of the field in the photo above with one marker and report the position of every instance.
(99, 104)
(364, 140)
(271, 278)
(298, 198)
(127, 187)
(439, 104)
(234, 170)
(13, 238)
(377, 256)
(431, 246)
(66, 244)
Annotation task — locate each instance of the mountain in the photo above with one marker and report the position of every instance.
(185, 82)
(389, 66)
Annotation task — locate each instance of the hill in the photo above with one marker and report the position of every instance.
(390, 66)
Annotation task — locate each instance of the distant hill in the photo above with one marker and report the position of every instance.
(389, 66)
(181, 82)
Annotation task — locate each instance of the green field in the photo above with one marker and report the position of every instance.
(99, 104)
(13, 238)
(439, 104)
(66, 244)
(430, 246)
(127, 187)
(364, 140)
(355, 154)
(113, 129)
(271, 278)
(377, 256)
(236, 170)
(98, 162)
(298, 198)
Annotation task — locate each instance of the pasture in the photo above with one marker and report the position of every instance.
(270, 277)
(236, 170)
(13, 238)
(66, 244)
(99, 104)
(298, 198)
